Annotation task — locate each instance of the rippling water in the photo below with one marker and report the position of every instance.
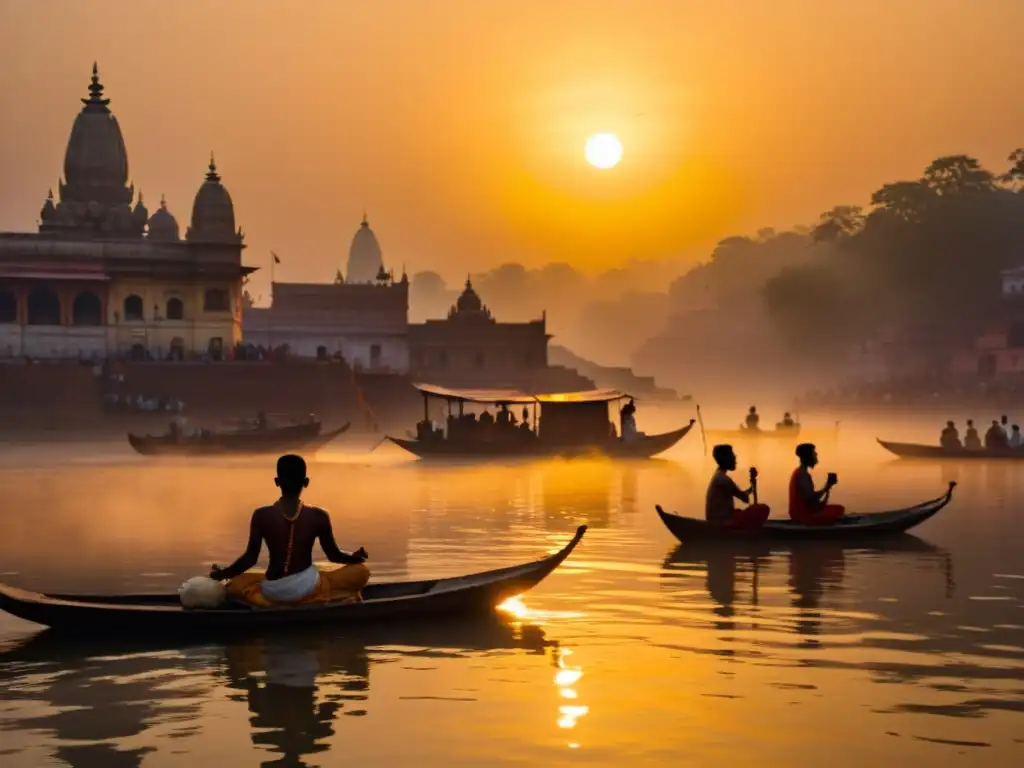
(635, 652)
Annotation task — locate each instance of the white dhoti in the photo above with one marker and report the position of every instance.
(291, 589)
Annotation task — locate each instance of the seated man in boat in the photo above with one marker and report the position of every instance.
(627, 414)
(753, 419)
(787, 422)
(719, 504)
(1016, 440)
(972, 441)
(290, 529)
(995, 437)
(806, 505)
(950, 438)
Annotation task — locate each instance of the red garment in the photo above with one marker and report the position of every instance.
(803, 513)
(749, 518)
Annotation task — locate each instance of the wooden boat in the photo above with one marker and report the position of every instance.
(136, 615)
(919, 451)
(289, 437)
(569, 424)
(778, 433)
(852, 526)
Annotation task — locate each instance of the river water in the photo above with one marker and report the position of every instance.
(634, 652)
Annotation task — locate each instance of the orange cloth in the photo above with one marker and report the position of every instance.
(749, 518)
(338, 584)
(804, 514)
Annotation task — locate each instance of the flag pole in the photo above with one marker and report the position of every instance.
(703, 436)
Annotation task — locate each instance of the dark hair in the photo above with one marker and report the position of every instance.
(804, 450)
(291, 473)
(720, 453)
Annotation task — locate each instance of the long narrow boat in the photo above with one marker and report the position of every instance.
(290, 437)
(849, 526)
(146, 615)
(793, 433)
(568, 424)
(919, 451)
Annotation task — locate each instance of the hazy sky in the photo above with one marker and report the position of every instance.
(459, 124)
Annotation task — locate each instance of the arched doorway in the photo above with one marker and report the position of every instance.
(43, 306)
(133, 307)
(175, 309)
(138, 352)
(177, 349)
(8, 307)
(87, 309)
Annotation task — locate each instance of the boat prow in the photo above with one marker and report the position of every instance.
(853, 526)
(152, 614)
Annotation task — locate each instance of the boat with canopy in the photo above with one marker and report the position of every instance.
(555, 424)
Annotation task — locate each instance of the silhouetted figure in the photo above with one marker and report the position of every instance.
(504, 417)
(1015, 436)
(950, 438)
(627, 419)
(486, 419)
(787, 421)
(806, 505)
(972, 440)
(995, 437)
(753, 419)
(290, 529)
(1004, 422)
(526, 416)
(719, 503)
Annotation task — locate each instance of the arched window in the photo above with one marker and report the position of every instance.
(8, 307)
(87, 309)
(133, 307)
(43, 306)
(216, 300)
(175, 309)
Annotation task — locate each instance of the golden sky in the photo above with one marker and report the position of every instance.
(460, 124)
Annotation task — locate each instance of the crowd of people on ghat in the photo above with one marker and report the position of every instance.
(1000, 435)
(807, 505)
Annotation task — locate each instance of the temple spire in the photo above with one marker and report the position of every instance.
(366, 222)
(96, 99)
(212, 173)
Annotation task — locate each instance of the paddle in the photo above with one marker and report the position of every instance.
(703, 437)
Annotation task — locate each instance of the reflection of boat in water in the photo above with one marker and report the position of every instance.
(288, 437)
(569, 424)
(163, 613)
(920, 451)
(295, 686)
(850, 526)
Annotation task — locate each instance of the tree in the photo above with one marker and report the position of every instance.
(957, 175)
(904, 200)
(841, 222)
(1015, 176)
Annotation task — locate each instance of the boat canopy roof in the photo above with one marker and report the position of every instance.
(515, 396)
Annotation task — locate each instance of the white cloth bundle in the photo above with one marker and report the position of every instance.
(292, 588)
(203, 592)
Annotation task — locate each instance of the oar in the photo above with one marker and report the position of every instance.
(703, 437)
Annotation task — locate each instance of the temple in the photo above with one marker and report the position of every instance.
(471, 348)
(102, 277)
(362, 318)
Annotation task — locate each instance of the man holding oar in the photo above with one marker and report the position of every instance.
(720, 506)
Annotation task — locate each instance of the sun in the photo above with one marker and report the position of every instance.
(603, 150)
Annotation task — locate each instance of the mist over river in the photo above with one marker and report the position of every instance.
(635, 652)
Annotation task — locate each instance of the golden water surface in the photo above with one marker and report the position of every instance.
(635, 652)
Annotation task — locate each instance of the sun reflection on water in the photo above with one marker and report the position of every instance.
(565, 678)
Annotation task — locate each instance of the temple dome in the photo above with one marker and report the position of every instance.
(213, 213)
(162, 224)
(469, 301)
(96, 161)
(365, 261)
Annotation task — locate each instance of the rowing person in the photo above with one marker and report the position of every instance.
(290, 529)
(719, 504)
(806, 505)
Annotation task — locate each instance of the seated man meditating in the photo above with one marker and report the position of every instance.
(720, 506)
(806, 505)
(290, 528)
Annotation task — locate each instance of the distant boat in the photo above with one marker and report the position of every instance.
(919, 451)
(570, 424)
(254, 440)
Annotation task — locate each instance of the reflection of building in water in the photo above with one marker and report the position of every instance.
(363, 318)
(293, 707)
(102, 276)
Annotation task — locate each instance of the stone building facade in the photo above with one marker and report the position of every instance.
(101, 277)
